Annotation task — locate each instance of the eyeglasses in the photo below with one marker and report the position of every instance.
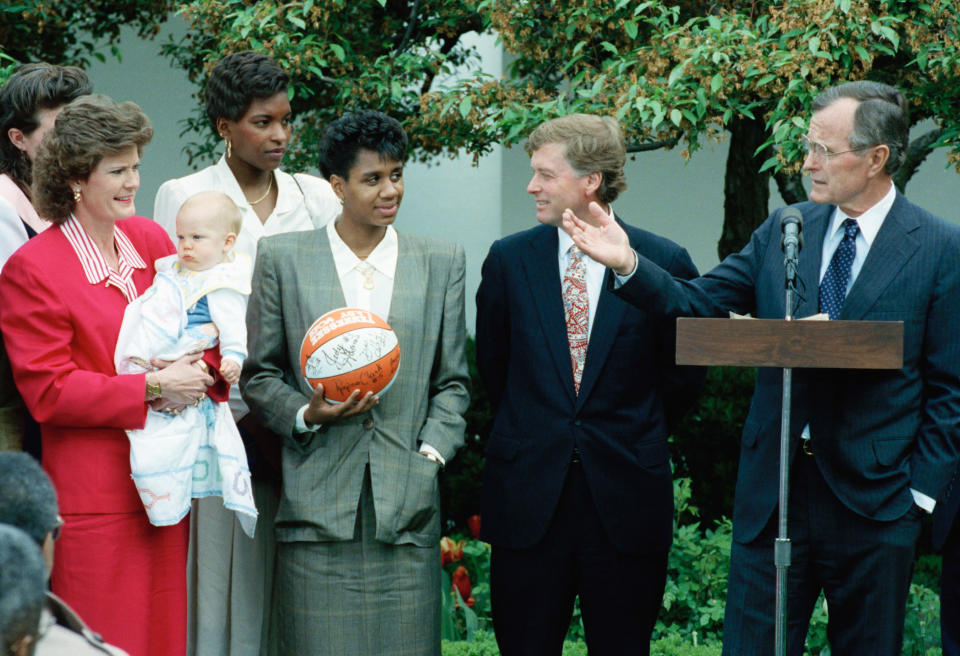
(818, 150)
(57, 529)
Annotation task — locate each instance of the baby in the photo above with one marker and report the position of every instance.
(197, 300)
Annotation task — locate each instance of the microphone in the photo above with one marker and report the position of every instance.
(791, 240)
(791, 226)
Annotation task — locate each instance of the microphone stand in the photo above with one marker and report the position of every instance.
(781, 550)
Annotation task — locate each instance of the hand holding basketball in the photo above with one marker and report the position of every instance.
(321, 411)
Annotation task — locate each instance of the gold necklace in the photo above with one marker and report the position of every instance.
(264, 197)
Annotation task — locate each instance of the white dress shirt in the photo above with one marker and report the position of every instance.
(869, 222)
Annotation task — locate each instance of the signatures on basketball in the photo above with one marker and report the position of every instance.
(352, 349)
(373, 377)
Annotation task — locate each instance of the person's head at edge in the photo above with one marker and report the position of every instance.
(89, 163)
(362, 156)
(247, 103)
(858, 137)
(29, 501)
(576, 159)
(22, 591)
(30, 100)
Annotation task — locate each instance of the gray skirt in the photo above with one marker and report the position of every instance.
(357, 598)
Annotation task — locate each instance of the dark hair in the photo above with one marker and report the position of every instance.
(363, 130)
(881, 117)
(23, 577)
(591, 144)
(239, 78)
(87, 130)
(31, 88)
(27, 498)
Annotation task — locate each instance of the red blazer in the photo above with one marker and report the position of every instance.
(60, 333)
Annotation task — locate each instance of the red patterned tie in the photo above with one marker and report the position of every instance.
(576, 310)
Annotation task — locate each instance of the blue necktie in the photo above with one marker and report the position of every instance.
(833, 288)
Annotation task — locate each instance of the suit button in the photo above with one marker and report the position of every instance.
(368, 423)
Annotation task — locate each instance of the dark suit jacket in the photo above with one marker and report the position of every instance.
(629, 390)
(875, 434)
(945, 513)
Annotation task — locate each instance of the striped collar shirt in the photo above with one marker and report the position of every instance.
(95, 267)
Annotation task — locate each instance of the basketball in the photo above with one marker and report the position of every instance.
(348, 349)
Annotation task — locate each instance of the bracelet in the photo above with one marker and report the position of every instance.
(153, 390)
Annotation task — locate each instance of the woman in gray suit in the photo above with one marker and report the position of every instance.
(358, 529)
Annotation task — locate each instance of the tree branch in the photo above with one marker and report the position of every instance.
(448, 45)
(652, 145)
(790, 186)
(411, 23)
(916, 153)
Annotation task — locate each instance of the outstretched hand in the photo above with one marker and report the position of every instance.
(603, 239)
(321, 411)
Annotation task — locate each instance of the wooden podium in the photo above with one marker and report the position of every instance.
(789, 344)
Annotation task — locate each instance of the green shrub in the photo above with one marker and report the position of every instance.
(484, 644)
(460, 480)
(697, 570)
(706, 442)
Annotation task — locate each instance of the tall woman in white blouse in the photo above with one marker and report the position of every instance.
(230, 576)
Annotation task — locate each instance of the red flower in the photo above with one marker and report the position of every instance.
(461, 581)
(450, 551)
(474, 524)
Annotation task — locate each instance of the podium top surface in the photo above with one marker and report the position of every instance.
(793, 344)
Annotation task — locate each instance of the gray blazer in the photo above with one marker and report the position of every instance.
(294, 282)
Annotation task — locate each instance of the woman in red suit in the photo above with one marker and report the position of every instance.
(62, 298)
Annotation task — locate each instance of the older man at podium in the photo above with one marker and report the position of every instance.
(870, 451)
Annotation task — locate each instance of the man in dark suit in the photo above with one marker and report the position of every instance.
(946, 537)
(871, 450)
(577, 490)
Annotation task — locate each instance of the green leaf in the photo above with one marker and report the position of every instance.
(716, 83)
(766, 79)
(299, 22)
(676, 116)
(814, 44)
(891, 35)
(675, 74)
(338, 51)
(630, 27)
(465, 106)
(770, 163)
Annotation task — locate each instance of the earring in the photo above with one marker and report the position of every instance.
(229, 148)
(76, 195)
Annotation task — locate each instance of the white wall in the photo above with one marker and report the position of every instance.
(474, 205)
